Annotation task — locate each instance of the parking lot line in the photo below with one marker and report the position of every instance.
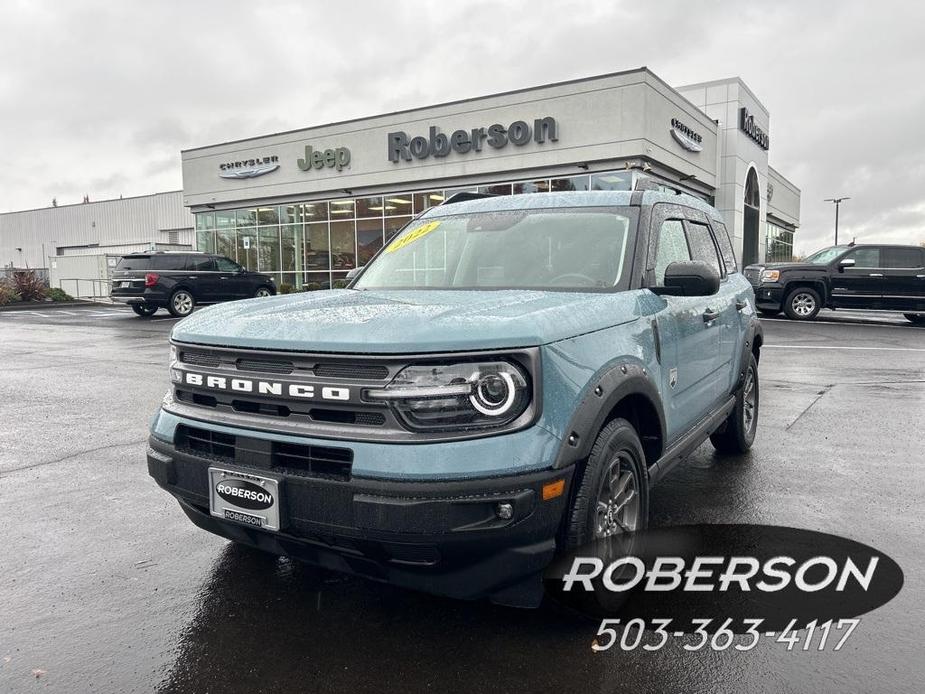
(875, 349)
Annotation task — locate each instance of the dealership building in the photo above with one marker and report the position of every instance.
(309, 205)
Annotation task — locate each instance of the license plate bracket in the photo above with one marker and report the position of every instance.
(245, 498)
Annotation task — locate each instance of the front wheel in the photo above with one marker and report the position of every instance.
(915, 318)
(802, 303)
(737, 434)
(144, 310)
(613, 497)
(261, 292)
(181, 303)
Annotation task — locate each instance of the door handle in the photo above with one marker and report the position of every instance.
(876, 274)
(191, 277)
(741, 304)
(710, 315)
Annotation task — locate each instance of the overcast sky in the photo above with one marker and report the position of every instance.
(100, 97)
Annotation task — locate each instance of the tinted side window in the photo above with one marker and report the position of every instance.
(702, 246)
(865, 257)
(201, 263)
(226, 265)
(725, 246)
(135, 262)
(168, 262)
(903, 257)
(672, 247)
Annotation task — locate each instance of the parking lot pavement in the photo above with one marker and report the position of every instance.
(90, 315)
(105, 586)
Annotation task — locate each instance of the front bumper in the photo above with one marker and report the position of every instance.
(442, 537)
(769, 296)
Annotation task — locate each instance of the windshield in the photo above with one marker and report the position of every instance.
(826, 255)
(573, 248)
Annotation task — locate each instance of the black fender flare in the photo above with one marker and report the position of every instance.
(602, 394)
(754, 334)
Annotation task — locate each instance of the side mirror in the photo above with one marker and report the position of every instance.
(689, 278)
(354, 272)
(847, 262)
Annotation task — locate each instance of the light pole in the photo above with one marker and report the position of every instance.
(837, 202)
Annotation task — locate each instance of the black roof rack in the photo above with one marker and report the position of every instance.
(466, 195)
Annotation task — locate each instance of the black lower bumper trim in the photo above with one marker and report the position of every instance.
(442, 537)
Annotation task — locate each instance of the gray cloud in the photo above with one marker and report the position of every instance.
(99, 97)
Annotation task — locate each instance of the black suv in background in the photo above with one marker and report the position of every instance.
(873, 277)
(178, 281)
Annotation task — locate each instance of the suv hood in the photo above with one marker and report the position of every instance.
(787, 266)
(343, 320)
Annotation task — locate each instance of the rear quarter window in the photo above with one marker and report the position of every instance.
(725, 246)
(135, 262)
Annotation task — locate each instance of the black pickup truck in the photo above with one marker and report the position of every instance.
(872, 277)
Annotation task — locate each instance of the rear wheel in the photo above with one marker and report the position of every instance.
(181, 303)
(802, 303)
(738, 432)
(613, 497)
(915, 318)
(144, 310)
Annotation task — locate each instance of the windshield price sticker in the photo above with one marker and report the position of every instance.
(411, 236)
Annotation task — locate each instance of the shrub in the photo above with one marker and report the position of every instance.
(312, 287)
(29, 286)
(8, 293)
(56, 294)
(340, 284)
(285, 288)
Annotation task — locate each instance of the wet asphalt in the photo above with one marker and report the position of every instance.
(105, 586)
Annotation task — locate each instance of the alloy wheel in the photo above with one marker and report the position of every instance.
(182, 303)
(749, 402)
(263, 291)
(618, 499)
(803, 304)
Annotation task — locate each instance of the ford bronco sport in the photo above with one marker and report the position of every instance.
(508, 377)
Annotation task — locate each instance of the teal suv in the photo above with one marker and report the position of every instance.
(506, 379)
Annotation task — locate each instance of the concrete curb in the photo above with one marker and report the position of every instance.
(47, 305)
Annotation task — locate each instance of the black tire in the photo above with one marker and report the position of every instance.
(263, 291)
(915, 318)
(181, 303)
(803, 303)
(737, 434)
(616, 444)
(144, 310)
(768, 312)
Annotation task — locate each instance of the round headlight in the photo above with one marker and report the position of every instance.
(494, 394)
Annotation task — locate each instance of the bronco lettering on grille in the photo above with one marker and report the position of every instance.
(260, 387)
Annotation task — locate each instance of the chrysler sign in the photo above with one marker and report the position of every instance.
(248, 168)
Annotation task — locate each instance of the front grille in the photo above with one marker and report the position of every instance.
(376, 372)
(200, 358)
(347, 417)
(205, 442)
(265, 366)
(304, 460)
(753, 275)
(313, 461)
